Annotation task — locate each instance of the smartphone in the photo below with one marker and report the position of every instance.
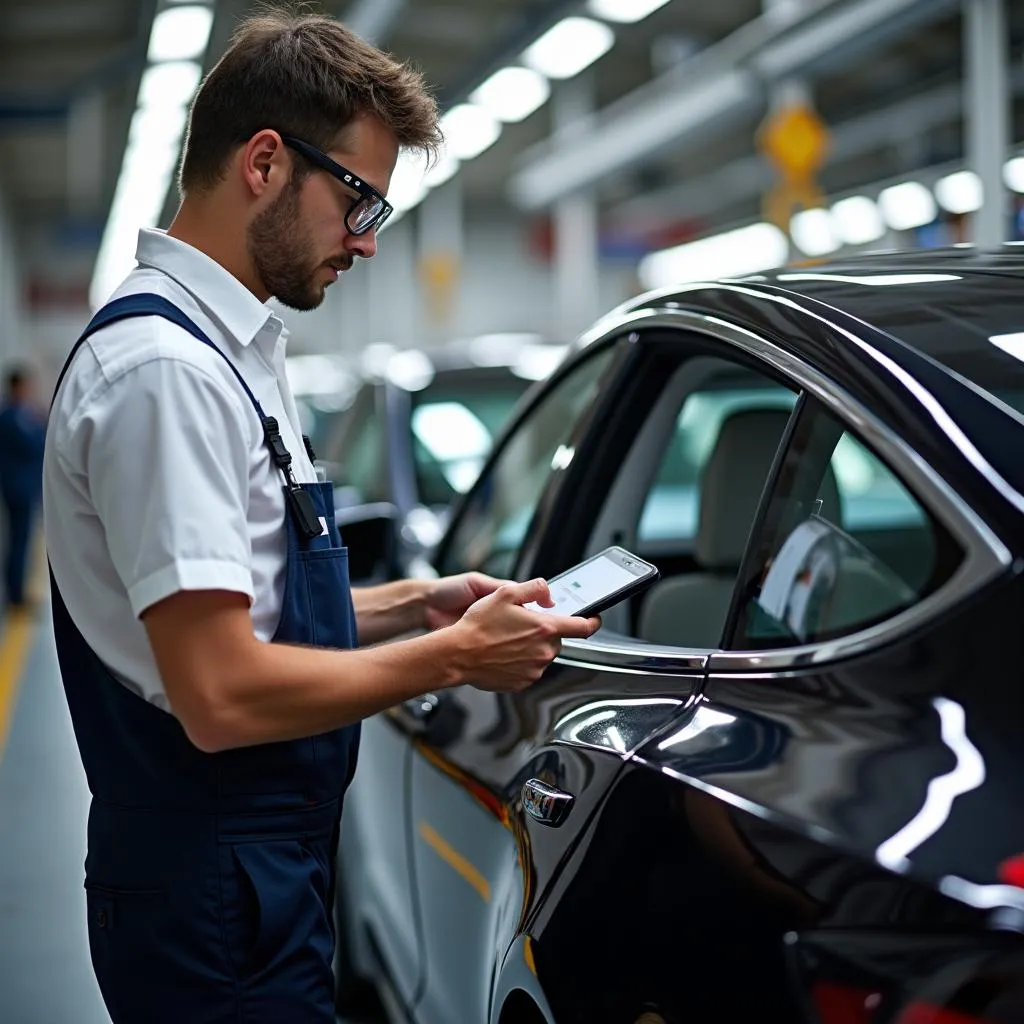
(598, 583)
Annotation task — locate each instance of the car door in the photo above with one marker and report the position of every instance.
(482, 863)
(832, 775)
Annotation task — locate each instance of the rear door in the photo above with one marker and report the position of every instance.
(849, 755)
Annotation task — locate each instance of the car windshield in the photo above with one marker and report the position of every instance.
(455, 420)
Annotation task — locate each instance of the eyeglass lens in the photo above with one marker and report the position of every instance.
(364, 214)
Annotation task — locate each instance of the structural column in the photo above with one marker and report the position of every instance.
(441, 224)
(987, 108)
(577, 266)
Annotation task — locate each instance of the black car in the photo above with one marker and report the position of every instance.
(787, 782)
(412, 439)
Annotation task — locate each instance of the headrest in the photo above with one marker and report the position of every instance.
(732, 482)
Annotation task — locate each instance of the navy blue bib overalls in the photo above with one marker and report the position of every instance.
(209, 877)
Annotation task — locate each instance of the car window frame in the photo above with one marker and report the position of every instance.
(985, 555)
(528, 403)
(810, 410)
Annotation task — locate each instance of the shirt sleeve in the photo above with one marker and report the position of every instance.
(166, 453)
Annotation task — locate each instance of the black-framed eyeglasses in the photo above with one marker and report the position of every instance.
(369, 211)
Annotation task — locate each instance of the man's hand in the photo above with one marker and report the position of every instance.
(447, 599)
(508, 647)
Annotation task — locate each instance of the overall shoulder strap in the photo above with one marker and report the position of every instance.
(149, 304)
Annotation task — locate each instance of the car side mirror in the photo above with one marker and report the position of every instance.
(370, 532)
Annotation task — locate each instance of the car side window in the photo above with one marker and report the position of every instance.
(493, 525)
(671, 512)
(845, 544)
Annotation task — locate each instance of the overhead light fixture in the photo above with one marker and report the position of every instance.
(858, 220)
(469, 130)
(738, 253)
(180, 33)
(625, 11)
(173, 84)
(569, 47)
(1013, 174)
(513, 93)
(814, 232)
(960, 193)
(907, 206)
(139, 196)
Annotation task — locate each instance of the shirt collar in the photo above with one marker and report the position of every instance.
(218, 291)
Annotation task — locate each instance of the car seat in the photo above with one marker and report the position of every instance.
(689, 610)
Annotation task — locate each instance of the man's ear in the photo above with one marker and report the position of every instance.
(263, 161)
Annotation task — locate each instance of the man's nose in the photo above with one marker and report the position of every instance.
(364, 246)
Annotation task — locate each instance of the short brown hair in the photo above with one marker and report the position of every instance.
(304, 75)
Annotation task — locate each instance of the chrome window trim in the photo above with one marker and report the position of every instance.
(631, 656)
(985, 555)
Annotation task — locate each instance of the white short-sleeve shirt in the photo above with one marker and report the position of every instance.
(156, 478)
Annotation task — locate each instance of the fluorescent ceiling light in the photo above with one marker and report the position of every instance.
(512, 94)
(907, 206)
(1013, 174)
(738, 253)
(138, 199)
(151, 127)
(180, 33)
(960, 193)
(626, 11)
(569, 47)
(858, 220)
(814, 232)
(469, 130)
(169, 85)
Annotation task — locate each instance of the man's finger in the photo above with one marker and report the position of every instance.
(481, 584)
(575, 626)
(524, 593)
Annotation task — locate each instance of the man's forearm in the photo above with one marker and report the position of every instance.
(389, 610)
(281, 692)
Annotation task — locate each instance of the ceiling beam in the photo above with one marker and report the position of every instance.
(748, 178)
(711, 92)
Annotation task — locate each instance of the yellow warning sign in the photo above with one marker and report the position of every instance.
(796, 141)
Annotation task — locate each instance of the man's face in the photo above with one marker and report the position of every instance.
(300, 243)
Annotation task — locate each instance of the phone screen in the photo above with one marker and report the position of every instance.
(589, 583)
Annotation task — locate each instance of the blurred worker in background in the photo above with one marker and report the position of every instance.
(202, 608)
(22, 440)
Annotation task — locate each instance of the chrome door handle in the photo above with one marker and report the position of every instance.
(548, 805)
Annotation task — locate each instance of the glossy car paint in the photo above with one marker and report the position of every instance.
(820, 843)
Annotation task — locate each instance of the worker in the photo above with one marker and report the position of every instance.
(205, 625)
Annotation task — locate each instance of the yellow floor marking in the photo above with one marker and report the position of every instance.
(456, 860)
(15, 643)
(19, 626)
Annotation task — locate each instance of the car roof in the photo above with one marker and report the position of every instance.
(952, 318)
